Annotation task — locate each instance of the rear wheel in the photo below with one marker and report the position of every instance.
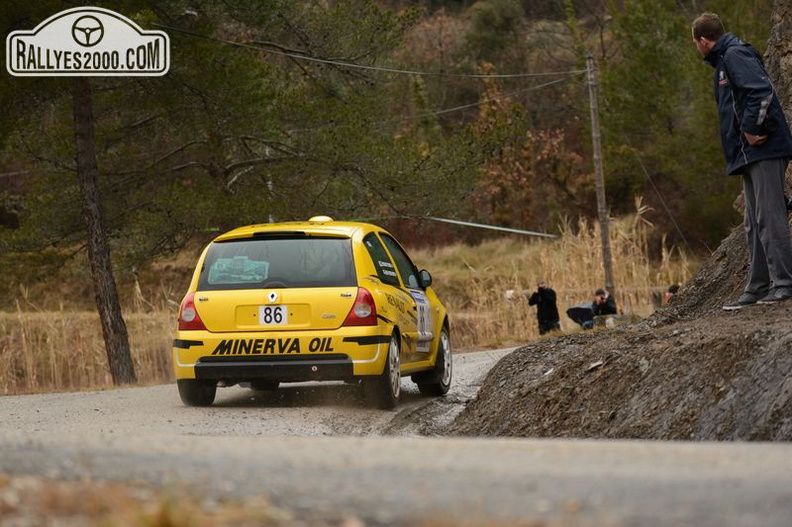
(384, 389)
(197, 392)
(438, 381)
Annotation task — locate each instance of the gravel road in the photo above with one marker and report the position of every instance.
(377, 467)
(297, 409)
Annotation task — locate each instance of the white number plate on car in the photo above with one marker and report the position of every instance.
(273, 315)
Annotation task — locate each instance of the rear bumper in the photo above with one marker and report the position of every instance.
(280, 356)
(285, 369)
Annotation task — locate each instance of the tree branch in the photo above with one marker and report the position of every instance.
(252, 162)
(176, 151)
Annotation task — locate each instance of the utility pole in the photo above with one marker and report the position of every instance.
(599, 180)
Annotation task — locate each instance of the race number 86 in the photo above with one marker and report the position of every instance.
(273, 315)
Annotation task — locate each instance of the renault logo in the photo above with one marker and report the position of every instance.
(272, 297)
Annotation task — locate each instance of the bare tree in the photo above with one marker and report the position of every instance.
(114, 329)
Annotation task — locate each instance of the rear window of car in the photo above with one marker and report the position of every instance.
(265, 263)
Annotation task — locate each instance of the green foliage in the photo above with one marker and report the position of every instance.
(660, 119)
(748, 19)
(495, 26)
(244, 128)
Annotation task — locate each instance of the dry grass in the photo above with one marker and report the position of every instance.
(63, 350)
(474, 281)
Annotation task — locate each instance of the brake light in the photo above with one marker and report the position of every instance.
(364, 310)
(188, 315)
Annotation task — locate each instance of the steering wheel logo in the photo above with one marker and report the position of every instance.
(87, 31)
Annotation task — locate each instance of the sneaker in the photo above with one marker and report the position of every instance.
(776, 295)
(745, 300)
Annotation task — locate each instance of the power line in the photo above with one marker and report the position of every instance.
(300, 56)
(479, 103)
(446, 110)
(17, 173)
(456, 222)
(418, 73)
(490, 227)
(657, 191)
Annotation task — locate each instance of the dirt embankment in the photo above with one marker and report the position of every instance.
(690, 371)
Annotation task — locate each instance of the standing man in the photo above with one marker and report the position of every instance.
(757, 144)
(544, 299)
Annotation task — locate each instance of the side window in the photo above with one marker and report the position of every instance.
(405, 267)
(382, 262)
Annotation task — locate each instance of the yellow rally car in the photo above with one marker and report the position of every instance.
(310, 301)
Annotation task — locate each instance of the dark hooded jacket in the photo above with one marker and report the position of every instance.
(544, 299)
(608, 308)
(741, 86)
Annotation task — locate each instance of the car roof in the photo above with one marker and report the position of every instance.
(317, 226)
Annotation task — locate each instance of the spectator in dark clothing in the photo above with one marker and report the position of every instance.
(544, 298)
(757, 144)
(604, 303)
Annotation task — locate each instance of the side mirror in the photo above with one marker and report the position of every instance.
(424, 278)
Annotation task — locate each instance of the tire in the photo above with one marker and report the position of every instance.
(197, 392)
(264, 385)
(438, 381)
(384, 389)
